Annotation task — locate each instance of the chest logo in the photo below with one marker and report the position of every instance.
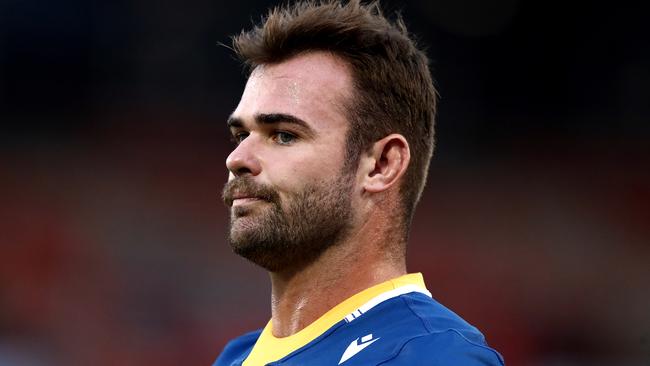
(357, 346)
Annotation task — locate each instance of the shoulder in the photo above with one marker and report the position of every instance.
(416, 314)
(435, 336)
(449, 347)
(237, 349)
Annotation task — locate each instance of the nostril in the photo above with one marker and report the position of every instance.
(242, 171)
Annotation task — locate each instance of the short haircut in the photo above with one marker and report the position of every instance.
(393, 89)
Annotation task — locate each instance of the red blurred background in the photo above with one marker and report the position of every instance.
(534, 225)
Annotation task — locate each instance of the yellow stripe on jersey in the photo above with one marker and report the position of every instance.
(269, 348)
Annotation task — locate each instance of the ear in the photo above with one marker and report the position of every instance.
(386, 163)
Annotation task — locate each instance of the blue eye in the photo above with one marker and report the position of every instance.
(284, 138)
(239, 137)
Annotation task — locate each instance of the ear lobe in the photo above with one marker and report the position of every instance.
(391, 156)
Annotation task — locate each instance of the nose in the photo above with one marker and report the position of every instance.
(244, 159)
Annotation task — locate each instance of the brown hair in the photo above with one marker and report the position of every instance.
(394, 90)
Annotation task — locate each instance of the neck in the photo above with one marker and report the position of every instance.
(300, 297)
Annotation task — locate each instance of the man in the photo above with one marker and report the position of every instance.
(334, 134)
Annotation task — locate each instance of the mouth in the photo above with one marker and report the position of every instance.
(238, 201)
(243, 191)
(245, 198)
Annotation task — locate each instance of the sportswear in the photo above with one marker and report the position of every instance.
(394, 323)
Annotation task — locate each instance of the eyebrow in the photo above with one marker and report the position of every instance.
(271, 118)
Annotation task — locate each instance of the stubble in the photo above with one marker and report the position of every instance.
(281, 236)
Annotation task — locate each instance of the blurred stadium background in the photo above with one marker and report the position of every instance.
(534, 225)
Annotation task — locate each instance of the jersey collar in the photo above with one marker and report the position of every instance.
(270, 348)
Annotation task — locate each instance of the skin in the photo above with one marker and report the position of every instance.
(313, 87)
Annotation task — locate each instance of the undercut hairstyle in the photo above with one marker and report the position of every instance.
(393, 88)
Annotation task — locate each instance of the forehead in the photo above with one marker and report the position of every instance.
(311, 86)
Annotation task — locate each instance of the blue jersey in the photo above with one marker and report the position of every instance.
(394, 323)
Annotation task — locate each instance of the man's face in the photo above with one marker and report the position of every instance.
(289, 196)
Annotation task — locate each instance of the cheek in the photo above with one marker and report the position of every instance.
(292, 174)
(306, 163)
(308, 169)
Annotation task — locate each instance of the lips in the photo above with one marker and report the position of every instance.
(237, 195)
(244, 196)
(244, 200)
(244, 190)
(240, 198)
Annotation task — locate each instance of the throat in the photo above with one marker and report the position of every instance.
(301, 298)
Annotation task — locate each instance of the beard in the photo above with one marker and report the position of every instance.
(288, 237)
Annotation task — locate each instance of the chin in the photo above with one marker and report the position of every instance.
(243, 230)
